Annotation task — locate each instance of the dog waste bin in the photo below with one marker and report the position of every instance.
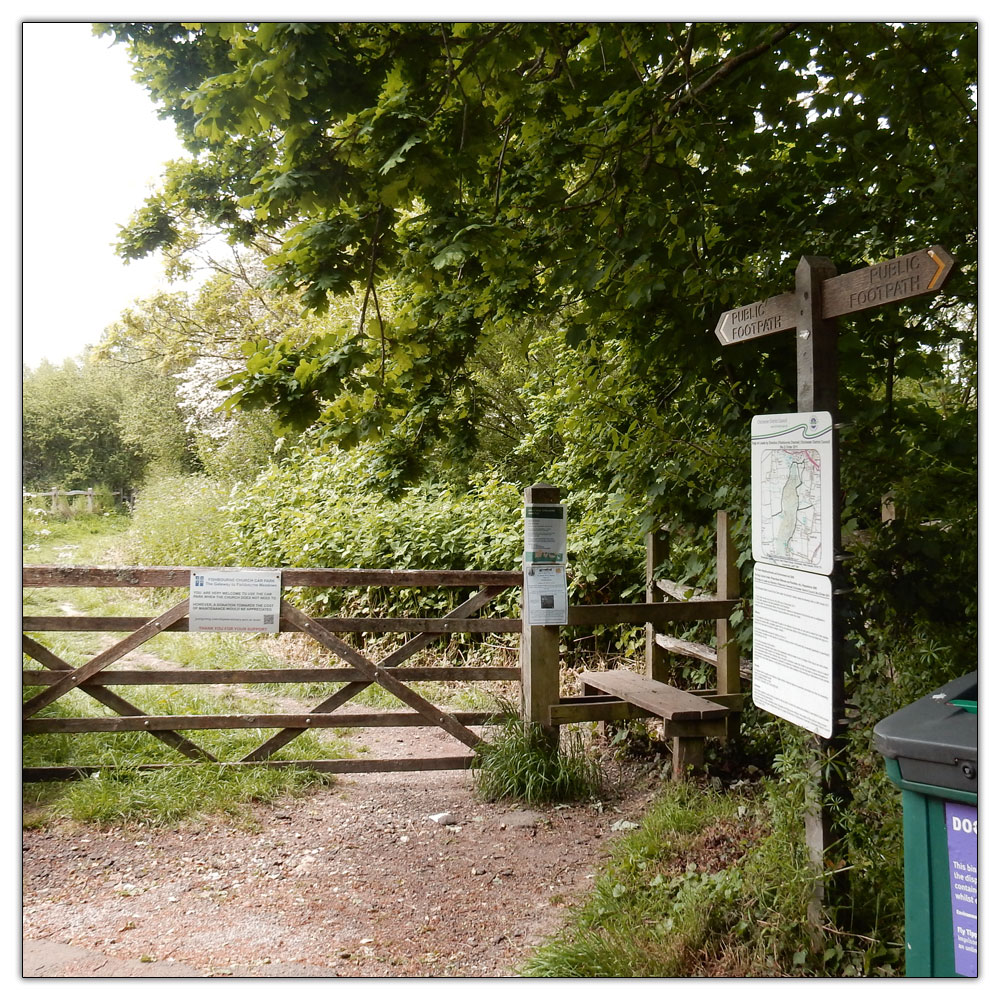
(931, 753)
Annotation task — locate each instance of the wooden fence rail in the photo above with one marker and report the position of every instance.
(55, 493)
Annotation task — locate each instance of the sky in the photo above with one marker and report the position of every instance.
(92, 147)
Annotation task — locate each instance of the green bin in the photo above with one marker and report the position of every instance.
(931, 751)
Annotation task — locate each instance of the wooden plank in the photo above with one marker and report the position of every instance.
(657, 551)
(102, 660)
(594, 709)
(281, 675)
(727, 667)
(283, 720)
(34, 649)
(179, 576)
(683, 647)
(78, 623)
(682, 591)
(715, 728)
(360, 765)
(660, 699)
(698, 651)
(758, 319)
(639, 614)
(918, 273)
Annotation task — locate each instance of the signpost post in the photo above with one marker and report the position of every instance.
(820, 296)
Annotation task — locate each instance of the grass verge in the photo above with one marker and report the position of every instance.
(712, 884)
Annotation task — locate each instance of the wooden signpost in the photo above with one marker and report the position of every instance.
(821, 295)
(915, 274)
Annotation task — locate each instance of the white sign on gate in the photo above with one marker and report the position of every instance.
(793, 646)
(235, 600)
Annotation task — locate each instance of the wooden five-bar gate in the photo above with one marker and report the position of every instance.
(608, 696)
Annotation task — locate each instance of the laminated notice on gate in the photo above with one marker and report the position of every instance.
(545, 598)
(545, 533)
(235, 600)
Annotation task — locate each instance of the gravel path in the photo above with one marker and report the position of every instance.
(354, 880)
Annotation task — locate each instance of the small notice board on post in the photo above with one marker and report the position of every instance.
(546, 601)
(235, 600)
(791, 489)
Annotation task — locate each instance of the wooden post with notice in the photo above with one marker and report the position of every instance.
(820, 296)
(817, 389)
(539, 646)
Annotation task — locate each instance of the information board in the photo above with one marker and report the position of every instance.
(791, 490)
(235, 600)
(793, 646)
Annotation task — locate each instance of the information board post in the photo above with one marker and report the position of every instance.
(789, 603)
(817, 389)
(539, 644)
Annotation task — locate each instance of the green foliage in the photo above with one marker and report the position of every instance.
(636, 178)
(71, 433)
(519, 762)
(715, 885)
(318, 509)
(180, 521)
(162, 798)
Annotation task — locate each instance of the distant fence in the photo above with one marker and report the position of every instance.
(54, 494)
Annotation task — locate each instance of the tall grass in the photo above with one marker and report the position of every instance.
(180, 521)
(519, 762)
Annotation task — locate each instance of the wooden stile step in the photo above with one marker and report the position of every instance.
(660, 699)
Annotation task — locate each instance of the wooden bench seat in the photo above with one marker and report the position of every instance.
(687, 718)
(654, 696)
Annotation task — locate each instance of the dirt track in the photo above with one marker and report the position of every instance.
(353, 880)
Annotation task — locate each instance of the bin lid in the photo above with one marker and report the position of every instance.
(936, 738)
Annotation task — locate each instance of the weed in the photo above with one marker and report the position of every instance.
(520, 762)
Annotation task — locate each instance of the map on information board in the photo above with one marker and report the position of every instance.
(792, 490)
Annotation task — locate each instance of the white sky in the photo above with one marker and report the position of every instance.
(92, 147)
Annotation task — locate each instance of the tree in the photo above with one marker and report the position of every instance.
(635, 178)
(70, 431)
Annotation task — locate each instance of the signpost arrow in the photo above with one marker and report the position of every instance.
(780, 312)
(900, 278)
(918, 273)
